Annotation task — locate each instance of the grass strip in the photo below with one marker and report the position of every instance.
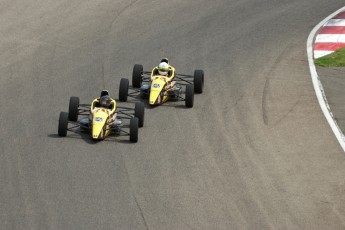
(335, 59)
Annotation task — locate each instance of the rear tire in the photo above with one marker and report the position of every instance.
(189, 96)
(139, 112)
(198, 81)
(63, 124)
(133, 129)
(123, 91)
(73, 108)
(137, 76)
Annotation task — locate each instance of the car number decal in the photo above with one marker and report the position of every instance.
(156, 85)
(99, 119)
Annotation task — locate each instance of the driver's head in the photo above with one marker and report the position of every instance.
(105, 101)
(163, 68)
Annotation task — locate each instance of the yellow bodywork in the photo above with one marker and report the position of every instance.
(156, 95)
(158, 84)
(100, 124)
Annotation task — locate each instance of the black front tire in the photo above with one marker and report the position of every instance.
(137, 76)
(198, 81)
(139, 112)
(123, 91)
(73, 108)
(189, 96)
(63, 124)
(133, 129)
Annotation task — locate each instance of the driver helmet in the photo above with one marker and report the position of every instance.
(104, 93)
(163, 68)
(165, 60)
(105, 101)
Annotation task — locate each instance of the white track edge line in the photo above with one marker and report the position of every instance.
(320, 94)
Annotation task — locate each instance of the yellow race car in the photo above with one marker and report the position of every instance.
(158, 89)
(102, 118)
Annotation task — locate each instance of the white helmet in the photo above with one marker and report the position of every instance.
(163, 68)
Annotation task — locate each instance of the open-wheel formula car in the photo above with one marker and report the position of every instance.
(99, 122)
(159, 89)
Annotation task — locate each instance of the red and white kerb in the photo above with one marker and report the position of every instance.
(331, 36)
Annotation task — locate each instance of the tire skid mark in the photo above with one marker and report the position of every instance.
(266, 88)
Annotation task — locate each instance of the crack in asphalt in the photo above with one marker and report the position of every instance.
(264, 101)
(133, 194)
(103, 84)
(140, 210)
(111, 26)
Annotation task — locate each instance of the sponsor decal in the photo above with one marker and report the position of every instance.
(156, 85)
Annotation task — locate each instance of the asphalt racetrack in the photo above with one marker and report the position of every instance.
(255, 152)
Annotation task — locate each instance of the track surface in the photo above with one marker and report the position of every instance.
(332, 79)
(254, 153)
